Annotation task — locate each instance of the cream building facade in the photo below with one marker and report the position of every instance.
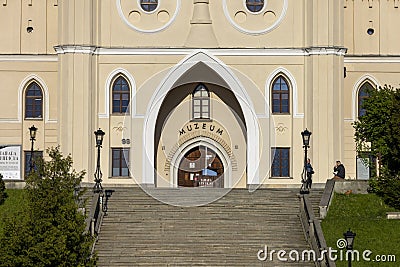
(193, 92)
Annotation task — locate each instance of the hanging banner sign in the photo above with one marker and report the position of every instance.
(10, 162)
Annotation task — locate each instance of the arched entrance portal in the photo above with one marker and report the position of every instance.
(196, 148)
(205, 68)
(201, 167)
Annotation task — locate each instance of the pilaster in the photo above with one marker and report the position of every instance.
(324, 87)
(77, 82)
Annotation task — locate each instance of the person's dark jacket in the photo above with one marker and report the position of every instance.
(341, 172)
(310, 170)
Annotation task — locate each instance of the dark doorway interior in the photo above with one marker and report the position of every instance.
(201, 167)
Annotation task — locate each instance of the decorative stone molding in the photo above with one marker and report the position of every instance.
(265, 30)
(159, 13)
(29, 58)
(120, 128)
(75, 49)
(307, 51)
(338, 51)
(281, 128)
(201, 134)
(371, 59)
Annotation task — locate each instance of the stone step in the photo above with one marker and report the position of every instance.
(141, 231)
(315, 198)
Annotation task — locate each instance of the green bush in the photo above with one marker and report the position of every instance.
(3, 193)
(50, 230)
(377, 133)
(387, 186)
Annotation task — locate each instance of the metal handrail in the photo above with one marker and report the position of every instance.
(326, 198)
(313, 232)
(93, 221)
(95, 218)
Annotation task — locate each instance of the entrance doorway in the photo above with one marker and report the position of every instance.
(201, 167)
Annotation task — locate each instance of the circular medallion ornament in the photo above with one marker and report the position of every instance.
(149, 17)
(255, 17)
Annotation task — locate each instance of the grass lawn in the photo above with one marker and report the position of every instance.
(15, 202)
(366, 216)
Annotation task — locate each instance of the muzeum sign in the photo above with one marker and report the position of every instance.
(201, 126)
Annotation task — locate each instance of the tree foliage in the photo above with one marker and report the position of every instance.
(50, 232)
(3, 193)
(378, 131)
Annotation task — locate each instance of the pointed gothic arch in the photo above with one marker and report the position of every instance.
(293, 87)
(233, 83)
(21, 95)
(120, 95)
(108, 88)
(33, 101)
(364, 79)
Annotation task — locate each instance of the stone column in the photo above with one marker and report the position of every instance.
(77, 103)
(324, 85)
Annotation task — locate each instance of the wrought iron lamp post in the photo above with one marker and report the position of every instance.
(32, 133)
(98, 175)
(306, 135)
(349, 236)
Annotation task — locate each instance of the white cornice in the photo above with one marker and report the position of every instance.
(188, 51)
(372, 59)
(338, 51)
(309, 51)
(29, 58)
(75, 49)
(80, 49)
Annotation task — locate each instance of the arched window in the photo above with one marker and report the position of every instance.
(149, 5)
(33, 102)
(280, 95)
(363, 94)
(201, 102)
(255, 5)
(120, 95)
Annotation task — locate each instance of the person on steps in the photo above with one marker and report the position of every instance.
(310, 172)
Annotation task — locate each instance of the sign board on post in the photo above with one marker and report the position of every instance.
(362, 169)
(10, 162)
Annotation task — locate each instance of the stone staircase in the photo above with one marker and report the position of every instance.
(315, 197)
(139, 230)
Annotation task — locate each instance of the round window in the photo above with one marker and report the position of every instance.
(149, 5)
(255, 5)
